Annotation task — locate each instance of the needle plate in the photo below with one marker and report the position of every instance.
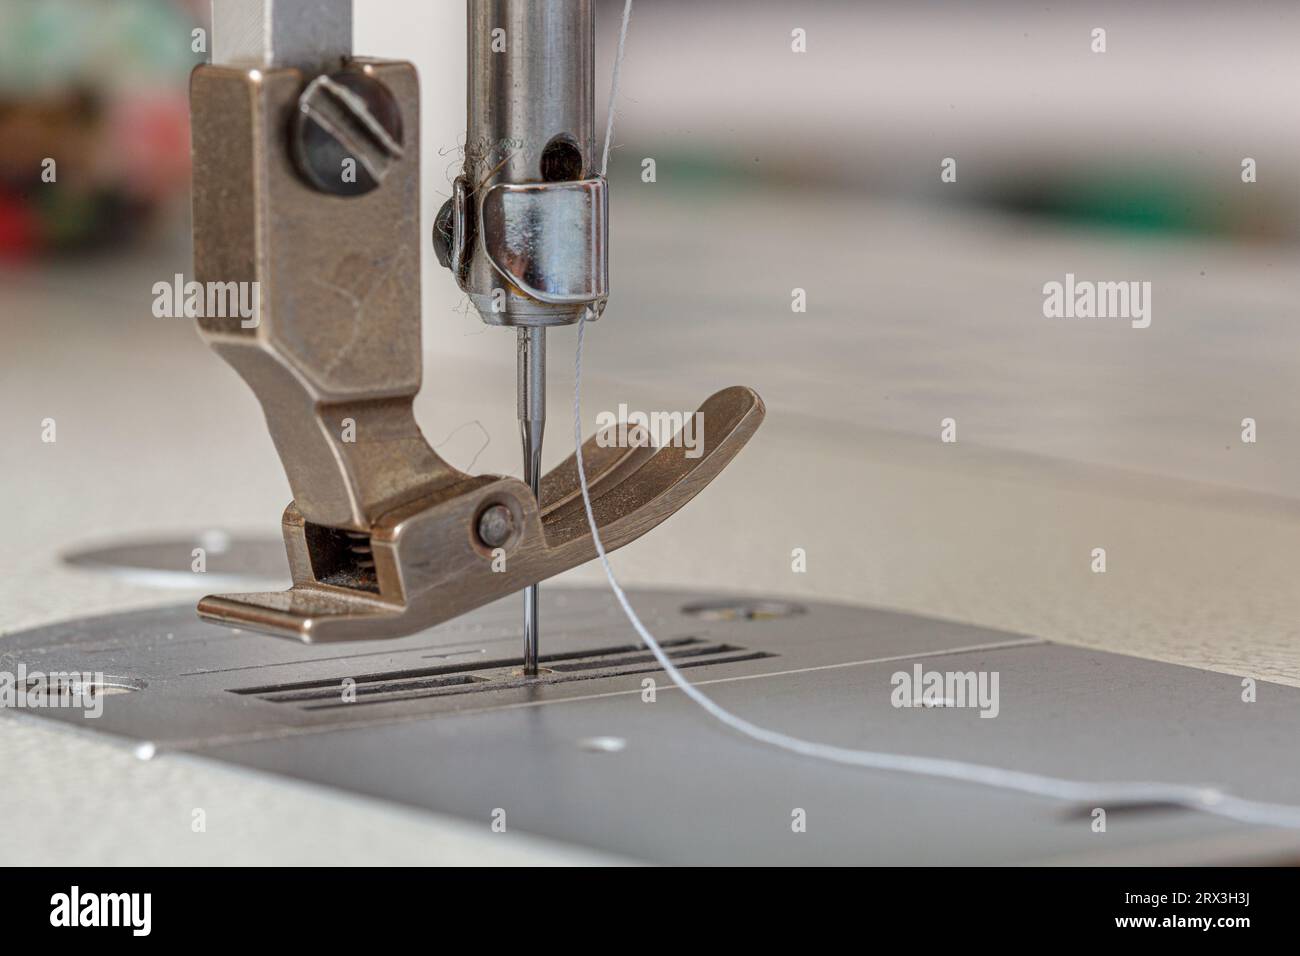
(442, 721)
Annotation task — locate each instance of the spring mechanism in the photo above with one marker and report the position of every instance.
(363, 553)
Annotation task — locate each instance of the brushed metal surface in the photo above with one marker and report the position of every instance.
(311, 35)
(677, 787)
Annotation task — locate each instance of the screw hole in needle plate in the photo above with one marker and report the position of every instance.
(64, 684)
(229, 561)
(756, 610)
(603, 745)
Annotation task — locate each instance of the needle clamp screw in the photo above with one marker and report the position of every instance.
(347, 133)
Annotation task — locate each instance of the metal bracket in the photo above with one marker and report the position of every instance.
(549, 239)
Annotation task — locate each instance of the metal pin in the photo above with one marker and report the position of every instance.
(532, 425)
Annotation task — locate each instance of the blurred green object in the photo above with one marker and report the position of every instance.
(1134, 200)
(1145, 199)
(52, 45)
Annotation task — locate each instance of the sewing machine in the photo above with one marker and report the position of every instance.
(408, 676)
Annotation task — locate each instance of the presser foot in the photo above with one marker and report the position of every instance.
(478, 540)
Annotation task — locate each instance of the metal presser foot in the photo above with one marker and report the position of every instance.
(306, 182)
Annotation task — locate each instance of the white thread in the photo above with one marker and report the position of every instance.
(1087, 794)
(613, 86)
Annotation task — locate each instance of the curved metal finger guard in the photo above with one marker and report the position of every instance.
(384, 537)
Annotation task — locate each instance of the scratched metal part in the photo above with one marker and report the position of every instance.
(582, 758)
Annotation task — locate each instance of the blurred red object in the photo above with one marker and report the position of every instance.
(19, 228)
(149, 140)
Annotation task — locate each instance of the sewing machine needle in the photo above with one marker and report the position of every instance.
(532, 425)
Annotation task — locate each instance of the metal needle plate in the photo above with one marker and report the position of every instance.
(442, 721)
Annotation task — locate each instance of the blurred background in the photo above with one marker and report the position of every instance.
(776, 171)
(99, 88)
